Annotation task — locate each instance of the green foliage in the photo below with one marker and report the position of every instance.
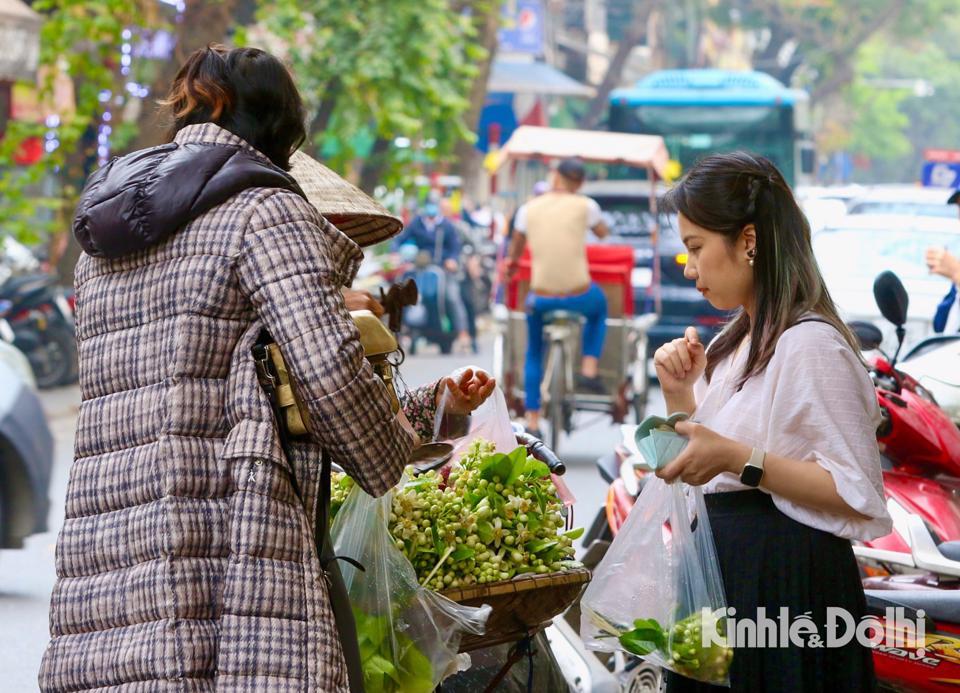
(372, 70)
(80, 38)
(894, 126)
(878, 127)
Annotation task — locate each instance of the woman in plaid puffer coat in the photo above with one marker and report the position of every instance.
(186, 561)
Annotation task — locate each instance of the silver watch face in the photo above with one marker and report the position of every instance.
(751, 475)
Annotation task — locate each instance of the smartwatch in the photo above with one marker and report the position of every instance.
(752, 473)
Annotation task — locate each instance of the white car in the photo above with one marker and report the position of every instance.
(905, 199)
(855, 249)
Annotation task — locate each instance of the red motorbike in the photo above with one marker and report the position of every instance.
(918, 441)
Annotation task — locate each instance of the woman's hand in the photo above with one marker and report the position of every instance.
(940, 261)
(707, 454)
(680, 363)
(362, 300)
(464, 391)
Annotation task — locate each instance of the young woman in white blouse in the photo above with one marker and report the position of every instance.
(784, 414)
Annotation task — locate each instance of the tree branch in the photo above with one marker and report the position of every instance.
(635, 33)
(843, 72)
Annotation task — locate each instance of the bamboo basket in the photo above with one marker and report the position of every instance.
(521, 606)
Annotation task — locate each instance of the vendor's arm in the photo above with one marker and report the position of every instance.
(420, 406)
(459, 393)
(289, 267)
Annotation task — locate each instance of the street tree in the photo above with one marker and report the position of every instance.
(81, 42)
(387, 83)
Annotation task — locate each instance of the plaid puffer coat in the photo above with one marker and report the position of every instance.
(186, 562)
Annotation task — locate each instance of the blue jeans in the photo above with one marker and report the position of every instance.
(592, 304)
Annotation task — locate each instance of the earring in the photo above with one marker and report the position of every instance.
(751, 254)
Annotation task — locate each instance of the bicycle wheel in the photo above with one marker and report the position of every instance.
(557, 394)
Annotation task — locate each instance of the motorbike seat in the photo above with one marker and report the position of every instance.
(950, 549)
(560, 316)
(26, 284)
(609, 467)
(940, 605)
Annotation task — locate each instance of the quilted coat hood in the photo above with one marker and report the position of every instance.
(140, 199)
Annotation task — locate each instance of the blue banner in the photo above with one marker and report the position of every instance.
(522, 30)
(941, 175)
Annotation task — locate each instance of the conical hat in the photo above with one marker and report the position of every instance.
(344, 205)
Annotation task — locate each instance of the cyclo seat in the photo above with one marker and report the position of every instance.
(561, 316)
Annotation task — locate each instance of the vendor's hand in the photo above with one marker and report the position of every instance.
(465, 391)
(707, 454)
(941, 261)
(450, 264)
(362, 300)
(680, 363)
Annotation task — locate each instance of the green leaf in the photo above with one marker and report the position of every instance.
(637, 645)
(485, 531)
(416, 672)
(463, 553)
(574, 534)
(518, 460)
(534, 468)
(379, 666)
(540, 545)
(646, 636)
(498, 465)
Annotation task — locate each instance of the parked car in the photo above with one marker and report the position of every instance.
(860, 246)
(845, 194)
(626, 209)
(905, 199)
(26, 460)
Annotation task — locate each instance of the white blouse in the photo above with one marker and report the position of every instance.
(814, 402)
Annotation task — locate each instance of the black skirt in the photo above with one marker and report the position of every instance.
(769, 560)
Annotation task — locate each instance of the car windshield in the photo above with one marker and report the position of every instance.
(626, 217)
(906, 207)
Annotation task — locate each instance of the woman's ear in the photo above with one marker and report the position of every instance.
(748, 238)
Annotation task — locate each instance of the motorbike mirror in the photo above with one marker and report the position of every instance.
(398, 297)
(891, 297)
(868, 334)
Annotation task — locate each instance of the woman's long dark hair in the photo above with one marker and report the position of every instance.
(245, 90)
(724, 193)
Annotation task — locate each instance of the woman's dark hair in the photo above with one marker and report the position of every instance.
(724, 193)
(244, 90)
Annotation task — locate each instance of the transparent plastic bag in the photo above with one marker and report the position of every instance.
(409, 636)
(490, 421)
(658, 592)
